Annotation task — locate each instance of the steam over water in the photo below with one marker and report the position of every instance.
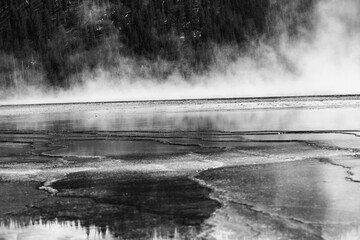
(236, 168)
(325, 60)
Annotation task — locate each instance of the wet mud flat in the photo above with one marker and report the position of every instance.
(181, 171)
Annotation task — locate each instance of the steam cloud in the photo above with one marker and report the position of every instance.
(325, 60)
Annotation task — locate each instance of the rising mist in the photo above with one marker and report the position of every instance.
(322, 59)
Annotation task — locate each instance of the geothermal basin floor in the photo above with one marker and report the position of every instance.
(278, 168)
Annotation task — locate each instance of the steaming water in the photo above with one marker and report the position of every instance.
(281, 169)
(322, 61)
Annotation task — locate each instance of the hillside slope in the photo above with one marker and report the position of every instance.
(58, 39)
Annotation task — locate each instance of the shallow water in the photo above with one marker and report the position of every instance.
(224, 169)
(294, 200)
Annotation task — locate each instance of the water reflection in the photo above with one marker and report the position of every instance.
(110, 198)
(297, 200)
(113, 206)
(30, 229)
(13, 149)
(122, 149)
(234, 120)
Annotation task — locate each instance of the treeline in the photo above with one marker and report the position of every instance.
(62, 37)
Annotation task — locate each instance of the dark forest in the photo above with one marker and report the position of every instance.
(61, 38)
